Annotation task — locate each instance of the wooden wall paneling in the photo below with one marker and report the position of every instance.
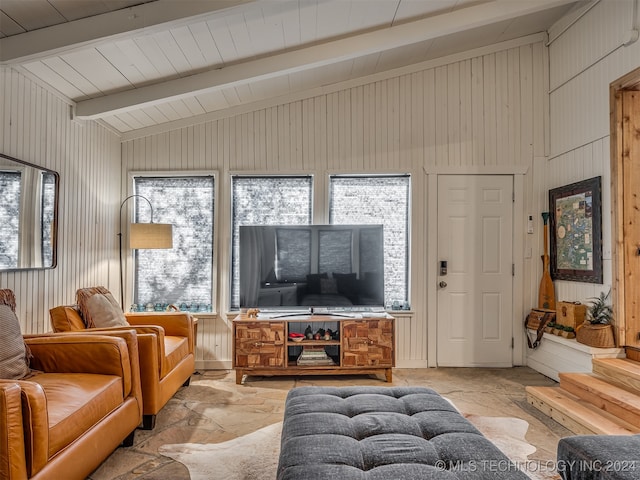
(631, 212)
(415, 122)
(466, 114)
(502, 110)
(368, 125)
(442, 116)
(429, 118)
(525, 142)
(357, 128)
(477, 111)
(513, 108)
(452, 91)
(490, 116)
(394, 111)
(37, 128)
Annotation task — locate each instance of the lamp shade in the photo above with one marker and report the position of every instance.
(151, 235)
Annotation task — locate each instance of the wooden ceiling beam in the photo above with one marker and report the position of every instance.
(65, 37)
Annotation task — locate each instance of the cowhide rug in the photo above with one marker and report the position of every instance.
(255, 456)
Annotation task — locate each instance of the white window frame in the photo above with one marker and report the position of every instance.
(129, 216)
(232, 175)
(409, 218)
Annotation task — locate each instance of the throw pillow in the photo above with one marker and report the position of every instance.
(347, 283)
(313, 281)
(99, 309)
(328, 286)
(14, 363)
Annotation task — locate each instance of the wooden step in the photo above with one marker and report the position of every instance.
(575, 414)
(596, 390)
(619, 371)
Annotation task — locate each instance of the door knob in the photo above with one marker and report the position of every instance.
(442, 284)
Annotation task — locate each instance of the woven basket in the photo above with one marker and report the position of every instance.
(596, 335)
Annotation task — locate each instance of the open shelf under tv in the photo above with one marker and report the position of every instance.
(364, 345)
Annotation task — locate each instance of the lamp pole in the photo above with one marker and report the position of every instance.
(120, 242)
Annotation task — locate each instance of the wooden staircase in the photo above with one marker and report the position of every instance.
(606, 401)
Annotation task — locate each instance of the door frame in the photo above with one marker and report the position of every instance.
(519, 228)
(626, 332)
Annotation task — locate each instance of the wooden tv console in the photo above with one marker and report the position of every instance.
(261, 346)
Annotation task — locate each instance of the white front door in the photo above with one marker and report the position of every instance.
(475, 239)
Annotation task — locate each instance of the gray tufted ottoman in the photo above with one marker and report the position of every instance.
(375, 433)
(599, 457)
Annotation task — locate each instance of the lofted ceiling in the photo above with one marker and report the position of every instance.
(137, 66)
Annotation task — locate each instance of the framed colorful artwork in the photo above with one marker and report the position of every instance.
(575, 227)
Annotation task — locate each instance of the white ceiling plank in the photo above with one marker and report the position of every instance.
(181, 108)
(168, 111)
(143, 118)
(129, 119)
(231, 95)
(154, 54)
(155, 114)
(245, 94)
(189, 48)
(119, 59)
(32, 14)
(412, 8)
(75, 9)
(172, 51)
(87, 89)
(371, 14)
(54, 78)
(194, 106)
(212, 101)
(222, 38)
(321, 55)
(115, 122)
(240, 35)
(206, 44)
(8, 26)
(108, 26)
(100, 73)
(308, 22)
(287, 17)
(135, 56)
(265, 32)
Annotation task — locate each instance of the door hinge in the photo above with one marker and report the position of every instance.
(513, 197)
(513, 343)
(513, 269)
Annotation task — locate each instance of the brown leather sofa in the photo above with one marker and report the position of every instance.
(166, 344)
(82, 401)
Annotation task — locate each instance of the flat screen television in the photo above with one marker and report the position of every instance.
(311, 266)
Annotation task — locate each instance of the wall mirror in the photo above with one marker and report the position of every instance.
(28, 215)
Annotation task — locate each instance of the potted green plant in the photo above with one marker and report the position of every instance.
(597, 330)
(568, 332)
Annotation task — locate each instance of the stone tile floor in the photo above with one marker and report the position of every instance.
(214, 409)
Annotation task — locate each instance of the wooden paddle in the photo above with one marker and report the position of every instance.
(546, 293)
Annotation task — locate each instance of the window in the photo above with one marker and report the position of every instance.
(9, 218)
(293, 262)
(382, 199)
(26, 240)
(267, 200)
(48, 213)
(183, 274)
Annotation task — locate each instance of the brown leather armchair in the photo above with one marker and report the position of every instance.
(166, 344)
(82, 401)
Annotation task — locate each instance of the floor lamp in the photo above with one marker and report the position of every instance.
(144, 235)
